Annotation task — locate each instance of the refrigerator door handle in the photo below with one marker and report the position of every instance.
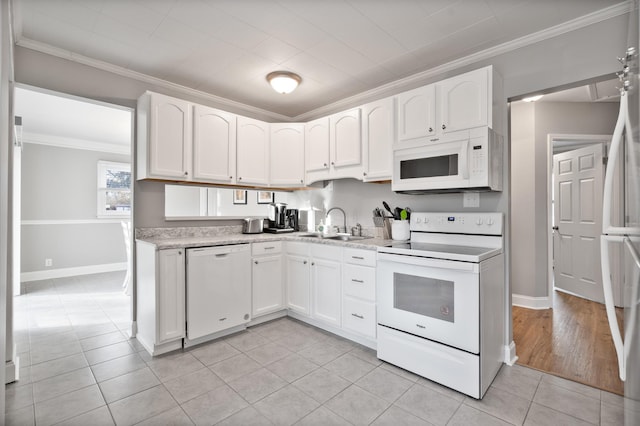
(608, 302)
(616, 141)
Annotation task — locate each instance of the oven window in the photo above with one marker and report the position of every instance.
(445, 165)
(424, 296)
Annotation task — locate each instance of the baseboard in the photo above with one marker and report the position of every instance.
(71, 272)
(530, 302)
(510, 356)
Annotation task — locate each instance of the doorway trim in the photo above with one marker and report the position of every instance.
(581, 139)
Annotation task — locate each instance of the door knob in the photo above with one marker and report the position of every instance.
(555, 228)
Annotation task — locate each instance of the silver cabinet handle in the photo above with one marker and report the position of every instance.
(430, 129)
(358, 316)
(313, 263)
(239, 178)
(255, 261)
(444, 127)
(269, 248)
(434, 140)
(222, 319)
(304, 263)
(325, 164)
(186, 173)
(357, 281)
(357, 257)
(420, 326)
(333, 163)
(230, 177)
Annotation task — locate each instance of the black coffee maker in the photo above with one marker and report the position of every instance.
(292, 219)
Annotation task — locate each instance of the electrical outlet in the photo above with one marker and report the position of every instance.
(48, 262)
(471, 199)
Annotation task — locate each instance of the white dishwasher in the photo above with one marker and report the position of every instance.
(218, 289)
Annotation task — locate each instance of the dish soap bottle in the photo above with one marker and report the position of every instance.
(321, 227)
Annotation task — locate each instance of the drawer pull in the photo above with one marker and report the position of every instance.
(269, 248)
(420, 326)
(357, 257)
(223, 319)
(357, 281)
(358, 316)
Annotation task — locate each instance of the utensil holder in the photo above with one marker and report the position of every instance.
(400, 230)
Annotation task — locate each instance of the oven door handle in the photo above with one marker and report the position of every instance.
(428, 262)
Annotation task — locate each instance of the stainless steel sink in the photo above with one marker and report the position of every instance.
(340, 237)
(347, 238)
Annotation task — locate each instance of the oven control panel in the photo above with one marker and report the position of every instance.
(458, 223)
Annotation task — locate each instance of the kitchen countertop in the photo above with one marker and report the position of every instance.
(204, 241)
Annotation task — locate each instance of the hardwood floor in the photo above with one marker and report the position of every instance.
(572, 340)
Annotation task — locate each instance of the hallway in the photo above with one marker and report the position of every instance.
(572, 341)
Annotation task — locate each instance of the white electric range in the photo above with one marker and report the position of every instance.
(441, 300)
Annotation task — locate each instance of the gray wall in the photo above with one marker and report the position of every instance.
(60, 184)
(530, 125)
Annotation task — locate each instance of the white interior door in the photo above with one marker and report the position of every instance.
(578, 179)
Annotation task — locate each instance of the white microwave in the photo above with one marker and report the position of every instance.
(464, 161)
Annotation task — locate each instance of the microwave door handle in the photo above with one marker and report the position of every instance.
(464, 159)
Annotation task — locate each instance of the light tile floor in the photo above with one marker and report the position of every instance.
(79, 368)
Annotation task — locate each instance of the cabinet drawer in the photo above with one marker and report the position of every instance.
(360, 281)
(272, 247)
(359, 316)
(294, 247)
(360, 257)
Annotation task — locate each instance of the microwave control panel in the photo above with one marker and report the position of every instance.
(477, 158)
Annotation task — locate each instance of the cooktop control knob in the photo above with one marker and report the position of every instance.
(489, 221)
(418, 220)
(479, 221)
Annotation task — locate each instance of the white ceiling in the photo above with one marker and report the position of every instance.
(72, 122)
(339, 47)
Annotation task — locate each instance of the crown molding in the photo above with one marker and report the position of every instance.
(363, 97)
(73, 143)
(125, 72)
(524, 41)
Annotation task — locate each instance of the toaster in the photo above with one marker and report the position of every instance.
(252, 225)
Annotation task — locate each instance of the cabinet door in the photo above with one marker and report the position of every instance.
(417, 113)
(377, 139)
(252, 148)
(316, 142)
(327, 290)
(169, 137)
(344, 138)
(287, 155)
(214, 145)
(298, 291)
(170, 294)
(464, 101)
(267, 295)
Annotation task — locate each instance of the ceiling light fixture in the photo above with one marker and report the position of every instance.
(532, 98)
(283, 81)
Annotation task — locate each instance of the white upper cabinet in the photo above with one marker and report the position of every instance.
(316, 143)
(334, 147)
(214, 145)
(252, 147)
(164, 137)
(417, 113)
(344, 138)
(464, 101)
(377, 139)
(458, 103)
(286, 167)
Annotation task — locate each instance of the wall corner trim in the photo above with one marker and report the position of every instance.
(530, 302)
(510, 356)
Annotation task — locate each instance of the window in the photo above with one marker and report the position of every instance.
(114, 189)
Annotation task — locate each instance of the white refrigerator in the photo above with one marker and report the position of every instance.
(624, 232)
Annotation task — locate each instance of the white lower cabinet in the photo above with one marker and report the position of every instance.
(267, 294)
(326, 286)
(298, 278)
(359, 292)
(161, 298)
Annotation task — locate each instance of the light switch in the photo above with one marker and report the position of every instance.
(471, 199)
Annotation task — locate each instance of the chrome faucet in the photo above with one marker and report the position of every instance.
(344, 216)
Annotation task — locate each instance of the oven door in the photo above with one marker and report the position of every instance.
(430, 298)
(441, 166)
